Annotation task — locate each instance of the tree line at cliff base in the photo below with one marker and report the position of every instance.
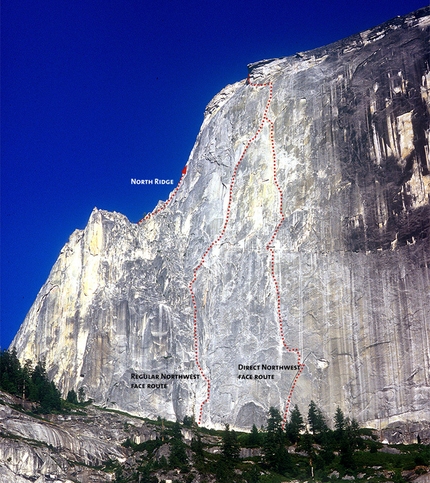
(33, 386)
(304, 449)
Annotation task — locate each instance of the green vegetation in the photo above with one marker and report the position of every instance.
(273, 454)
(33, 385)
(178, 456)
(277, 454)
(29, 383)
(230, 451)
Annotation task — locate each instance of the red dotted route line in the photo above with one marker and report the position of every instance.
(270, 248)
(168, 201)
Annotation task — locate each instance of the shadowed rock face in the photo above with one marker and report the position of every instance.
(304, 214)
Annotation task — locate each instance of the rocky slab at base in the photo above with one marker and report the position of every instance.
(298, 239)
(63, 448)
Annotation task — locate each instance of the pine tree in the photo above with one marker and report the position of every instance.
(224, 472)
(312, 416)
(197, 448)
(230, 450)
(188, 421)
(295, 425)
(327, 443)
(145, 474)
(349, 442)
(347, 438)
(252, 475)
(44, 390)
(28, 383)
(316, 419)
(230, 445)
(72, 397)
(254, 437)
(347, 454)
(274, 421)
(339, 422)
(276, 456)
(274, 437)
(50, 399)
(354, 433)
(10, 371)
(178, 456)
(39, 376)
(306, 444)
(26, 372)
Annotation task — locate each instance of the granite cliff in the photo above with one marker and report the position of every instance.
(291, 262)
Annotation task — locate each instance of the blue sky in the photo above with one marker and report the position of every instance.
(95, 92)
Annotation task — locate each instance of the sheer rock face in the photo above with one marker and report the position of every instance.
(342, 268)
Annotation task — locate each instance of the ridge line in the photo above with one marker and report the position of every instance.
(167, 202)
